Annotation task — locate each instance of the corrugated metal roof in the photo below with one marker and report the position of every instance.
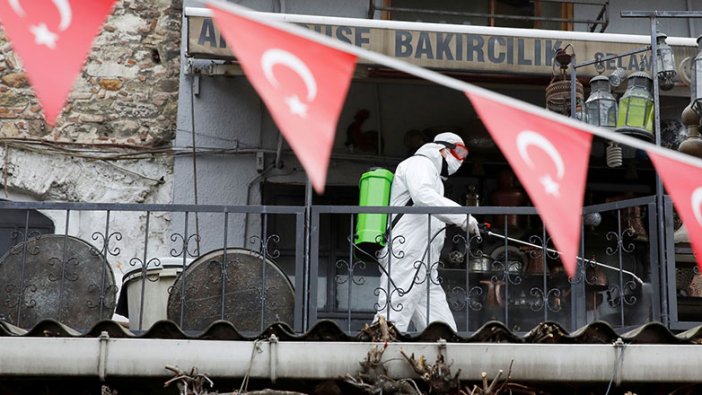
(327, 331)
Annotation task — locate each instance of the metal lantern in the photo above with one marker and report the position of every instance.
(635, 115)
(696, 87)
(601, 106)
(665, 62)
(558, 91)
(601, 110)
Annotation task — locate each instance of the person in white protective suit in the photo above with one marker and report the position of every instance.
(419, 178)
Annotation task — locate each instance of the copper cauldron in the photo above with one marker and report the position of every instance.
(480, 264)
(596, 279)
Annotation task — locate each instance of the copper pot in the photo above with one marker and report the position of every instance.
(516, 262)
(596, 279)
(494, 293)
(507, 195)
(535, 259)
(480, 264)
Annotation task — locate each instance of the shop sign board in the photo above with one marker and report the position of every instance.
(468, 49)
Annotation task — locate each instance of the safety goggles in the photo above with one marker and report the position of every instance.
(458, 150)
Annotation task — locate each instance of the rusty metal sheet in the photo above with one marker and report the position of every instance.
(246, 289)
(56, 277)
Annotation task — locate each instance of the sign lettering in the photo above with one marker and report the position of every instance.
(451, 50)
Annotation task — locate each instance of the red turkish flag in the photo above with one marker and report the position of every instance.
(302, 82)
(684, 183)
(53, 38)
(550, 158)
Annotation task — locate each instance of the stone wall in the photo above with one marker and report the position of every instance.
(124, 102)
(126, 93)
(125, 99)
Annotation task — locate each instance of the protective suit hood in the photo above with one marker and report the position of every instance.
(431, 151)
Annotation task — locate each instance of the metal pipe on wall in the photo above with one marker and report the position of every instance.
(262, 109)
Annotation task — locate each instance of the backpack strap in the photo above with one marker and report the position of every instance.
(408, 204)
(397, 218)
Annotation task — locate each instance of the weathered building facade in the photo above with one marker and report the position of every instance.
(162, 116)
(123, 105)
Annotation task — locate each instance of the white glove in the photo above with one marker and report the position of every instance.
(471, 225)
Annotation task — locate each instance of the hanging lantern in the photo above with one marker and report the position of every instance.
(665, 62)
(635, 116)
(617, 76)
(601, 110)
(696, 87)
(601, 106)
(558, 90)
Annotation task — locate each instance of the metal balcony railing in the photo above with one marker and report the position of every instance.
(514, 276)
(597, 23)
(191, 265)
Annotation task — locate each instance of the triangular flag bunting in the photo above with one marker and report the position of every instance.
(684, 184)
(550, 158)
(53, 38)
(302, 82)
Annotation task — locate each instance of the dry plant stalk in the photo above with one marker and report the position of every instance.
(373, 377)
(438, 376)
(192, 383)
(496, 387)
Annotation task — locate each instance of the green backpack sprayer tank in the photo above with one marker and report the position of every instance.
(374, 191)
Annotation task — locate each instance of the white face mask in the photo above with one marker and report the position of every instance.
(449, 166)
(453, 164)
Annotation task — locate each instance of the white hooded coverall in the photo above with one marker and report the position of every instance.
(418, 178)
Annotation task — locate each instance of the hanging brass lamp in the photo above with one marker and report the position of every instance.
(558, 91)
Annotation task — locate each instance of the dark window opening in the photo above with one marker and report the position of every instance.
(18, 225)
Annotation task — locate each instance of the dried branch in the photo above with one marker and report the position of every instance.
(192, 383)
(381, 331)
(373, 378)
(497, 387)
(438, 375)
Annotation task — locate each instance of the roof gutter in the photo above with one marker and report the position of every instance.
(106, 358)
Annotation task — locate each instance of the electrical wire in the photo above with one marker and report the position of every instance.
(98, 151)
(617, 362)
(245, 382)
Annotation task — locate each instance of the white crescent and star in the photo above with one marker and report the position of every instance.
(276, 56)
(66, 13)
(42, 34)
(528, 138)
(17, 7)
(696, 201)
